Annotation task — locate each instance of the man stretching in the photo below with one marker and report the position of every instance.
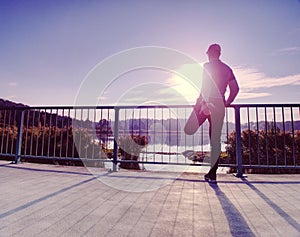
(216, 77)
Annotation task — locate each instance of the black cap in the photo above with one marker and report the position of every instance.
(214, 48)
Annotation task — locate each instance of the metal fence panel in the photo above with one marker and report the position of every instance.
(254, 135)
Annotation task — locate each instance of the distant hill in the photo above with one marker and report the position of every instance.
(8, 103)
(36, 118)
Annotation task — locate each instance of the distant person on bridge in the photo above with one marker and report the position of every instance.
(216, 77)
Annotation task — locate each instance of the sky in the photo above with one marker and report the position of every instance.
(50, 49)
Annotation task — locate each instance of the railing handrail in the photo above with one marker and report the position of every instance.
(266, 105)
(141, 106)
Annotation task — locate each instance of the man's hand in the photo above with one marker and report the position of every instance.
(227, 103)
(204, 109)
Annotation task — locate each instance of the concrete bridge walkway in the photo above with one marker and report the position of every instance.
(48, 200)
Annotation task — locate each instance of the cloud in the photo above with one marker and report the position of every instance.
(138, 87)
(11, 97)
(101, 98)
(157, 94)
(12, 84)
(249, 95)
(289, 50)
(250, 80)
(176, 89)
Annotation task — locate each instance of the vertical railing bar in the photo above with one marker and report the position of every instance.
(94, 138)
(26, 134)
(87, 134)
(267, 135)
(154, 135)
(116, 139)
(227, 128)
(3, 131)
(238, 142)
(125, 121)
(61, 132)
(147, 134)
(100, 132)
(109, 122)
(19, 136)
(284, 139)
(13, 132)
(140, 137)
(258, 132)
(55, 134)
(138, 118)
(32, 132)
(139, 122)
(132, 123)
(202, 139)
(249, 136)
(110, 118)
(43, 129)
(162, 134)
(3, 127)
(185, 136)
(293, 137)
(8, 132)
(193, 140)
(80, 133)
(275, 136)
(38, 133)
(177, 136)
(68, 133)
(170, 134)
(49, 133)
(74, 133)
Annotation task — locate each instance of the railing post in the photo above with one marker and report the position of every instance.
(20, 121)
(116, 138)
(238, 142)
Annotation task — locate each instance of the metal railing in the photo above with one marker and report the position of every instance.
(254, 135)
(269, 136)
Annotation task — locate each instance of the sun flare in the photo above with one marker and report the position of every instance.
(187, 81)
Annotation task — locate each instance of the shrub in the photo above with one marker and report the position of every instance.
(273, 147)
(130, 148)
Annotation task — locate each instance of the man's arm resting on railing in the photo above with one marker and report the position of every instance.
(234, 90)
